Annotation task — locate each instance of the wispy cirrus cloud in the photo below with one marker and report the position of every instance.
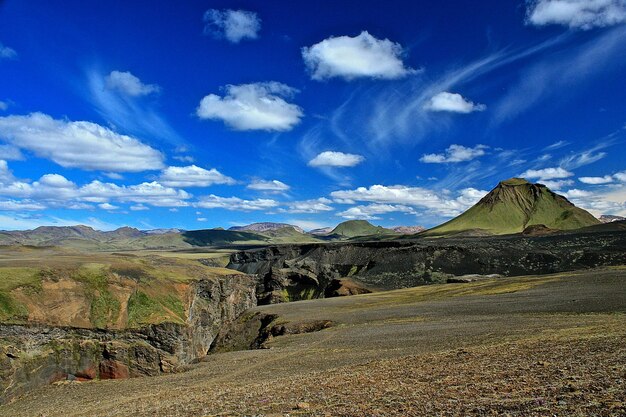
(551, 76)
(6, 52)
(126, 83)
(124, 102)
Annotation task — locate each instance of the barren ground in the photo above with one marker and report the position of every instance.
(531, 346)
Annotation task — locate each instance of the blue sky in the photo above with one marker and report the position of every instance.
(216, 113)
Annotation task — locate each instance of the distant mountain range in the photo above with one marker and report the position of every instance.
(607, 218)
(513, 206)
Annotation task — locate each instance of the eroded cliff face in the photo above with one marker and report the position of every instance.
(295, 272)
(37, 353)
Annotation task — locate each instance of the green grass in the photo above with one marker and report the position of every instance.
(354, 228)
(514, 205)
(16, 277)
(11, 309)
(144, 309)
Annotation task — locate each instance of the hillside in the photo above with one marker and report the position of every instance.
(357, 228)
(514, 205)
(265, 227)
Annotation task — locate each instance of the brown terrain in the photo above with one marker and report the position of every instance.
(527, 346)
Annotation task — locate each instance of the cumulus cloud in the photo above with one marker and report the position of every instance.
(452, 102)
(336, 159)
(268, 186)
(455, 153)
(234, 25)
(235, 203)
(308, 206)
(439, 203)
(83, 145)
(139, 207)
(546, 173)
(54, 190)
(127, 83)
(355, 57)
(107, 206)
(193, 176)
(578, 14)
(596, 180)
(598, 203)
(10, 152)
(557, 184)
(258, 106)
(6, 52)
(371, 211)
(20, 205)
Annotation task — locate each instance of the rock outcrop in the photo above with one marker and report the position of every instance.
(35, 354)
(297, 272)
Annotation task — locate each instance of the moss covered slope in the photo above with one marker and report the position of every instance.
(514, 205)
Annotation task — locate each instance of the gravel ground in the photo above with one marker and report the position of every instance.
(529, 346)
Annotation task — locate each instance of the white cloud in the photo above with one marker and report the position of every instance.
(6, 52)
(184, 158)
(258, 106)
(547, 173)
(83, 145)
(20, 205)
(579, 14)
(596, 180)
(369, 212)
(201, 219)
(107, 206)
(578, 160)
(620, 176)
(436, 202)
(269, 186)
(355, 57)
(235, 203)
(193, 176)
(455, 153)
(234, 25)
(134, 116)
(139, 207)
(598, 203)
(336, 159)
(127, 83)
(557, 184)
(56, 190)
(308, 206)
(4, 105)
(452, 102)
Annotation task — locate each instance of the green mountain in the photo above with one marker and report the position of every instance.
(355, 228)
(514, 205)
(216, 237)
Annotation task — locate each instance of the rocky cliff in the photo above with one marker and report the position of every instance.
(160, 324)
(297, 272)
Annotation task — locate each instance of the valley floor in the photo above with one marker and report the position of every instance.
(531, 346)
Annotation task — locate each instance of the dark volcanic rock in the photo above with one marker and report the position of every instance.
(296, 272)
